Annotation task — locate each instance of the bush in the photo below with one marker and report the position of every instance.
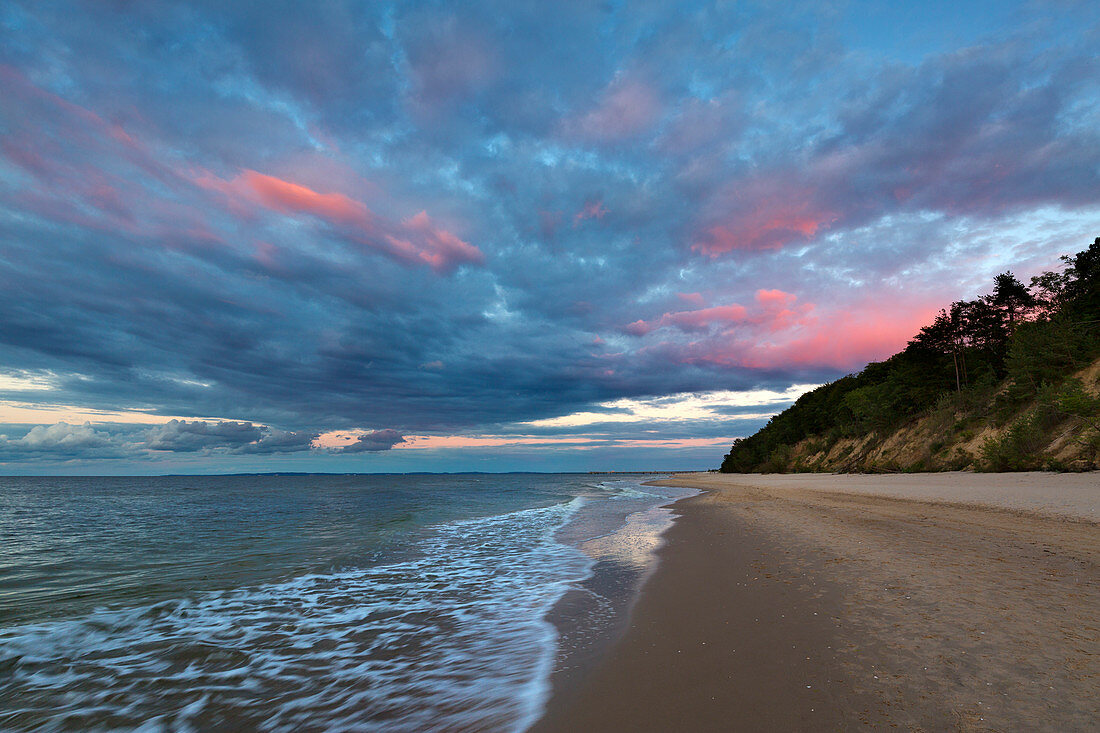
(1019, 448)
(1073, 400)
(779, 460)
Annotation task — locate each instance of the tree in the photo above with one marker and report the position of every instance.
(1083, 279)
(1048, 290)
(1011, 298)
(981, 324)
(943, 336)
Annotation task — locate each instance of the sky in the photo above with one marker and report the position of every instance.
(504, 236)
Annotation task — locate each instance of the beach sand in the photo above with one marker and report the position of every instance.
(827, 602)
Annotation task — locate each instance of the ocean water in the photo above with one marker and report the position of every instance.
(290, 603)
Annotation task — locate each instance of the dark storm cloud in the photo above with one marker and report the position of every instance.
(379, 440)
(63, 441)
(233, 437)
(191, 435)
(440, 217)
(274, 440)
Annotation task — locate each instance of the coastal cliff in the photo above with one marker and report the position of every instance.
(1007, 382)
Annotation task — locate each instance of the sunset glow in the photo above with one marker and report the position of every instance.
(378, 237)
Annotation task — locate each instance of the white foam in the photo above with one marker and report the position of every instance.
(453, 639)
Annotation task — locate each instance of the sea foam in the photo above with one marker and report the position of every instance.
(454, 638)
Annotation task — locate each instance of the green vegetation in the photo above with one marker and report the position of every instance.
(1003, 364)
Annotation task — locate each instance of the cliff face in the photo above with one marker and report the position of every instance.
(1059, 430)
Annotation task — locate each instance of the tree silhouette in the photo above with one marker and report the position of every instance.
(944, 336)
(1011, 297)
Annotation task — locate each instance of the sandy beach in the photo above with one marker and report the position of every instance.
(824, 602)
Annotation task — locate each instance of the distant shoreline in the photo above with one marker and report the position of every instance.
(817, 602)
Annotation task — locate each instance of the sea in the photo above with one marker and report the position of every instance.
(318, 602)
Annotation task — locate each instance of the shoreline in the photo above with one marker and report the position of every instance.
(796, 602)
(592, 616)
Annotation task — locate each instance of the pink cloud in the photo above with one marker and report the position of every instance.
(414, 240)
(434, 245)
(695, 320)
(671, 442)
(775, 298)
(847, 339)
(779, 332)
(429, 442)
(763, 213)
(83, 170)
(775, 311)
(593, 209)
(626, 108)
(704, 317)
(771, 227)
(693, 298)
(290, 198)
(779, 311)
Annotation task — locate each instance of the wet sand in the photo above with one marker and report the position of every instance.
(934, 602)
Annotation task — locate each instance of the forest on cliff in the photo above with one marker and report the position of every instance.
(1007, 381)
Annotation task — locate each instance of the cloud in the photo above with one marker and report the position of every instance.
(844, 341)
(775, 298)
(64, 442)
(762, 215)
(448, 63)
(593, 209)
(703, 318)
(702, 125)
(193, 435)
(977, 132)
(297, 218)
(64, 438)
(280, 441)
(680, 408)
(183, 436)
(415, 240)
(626, 108)
(137, 442)
(379, 440)
(291, 198)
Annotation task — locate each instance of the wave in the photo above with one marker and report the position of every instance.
(455, 638)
